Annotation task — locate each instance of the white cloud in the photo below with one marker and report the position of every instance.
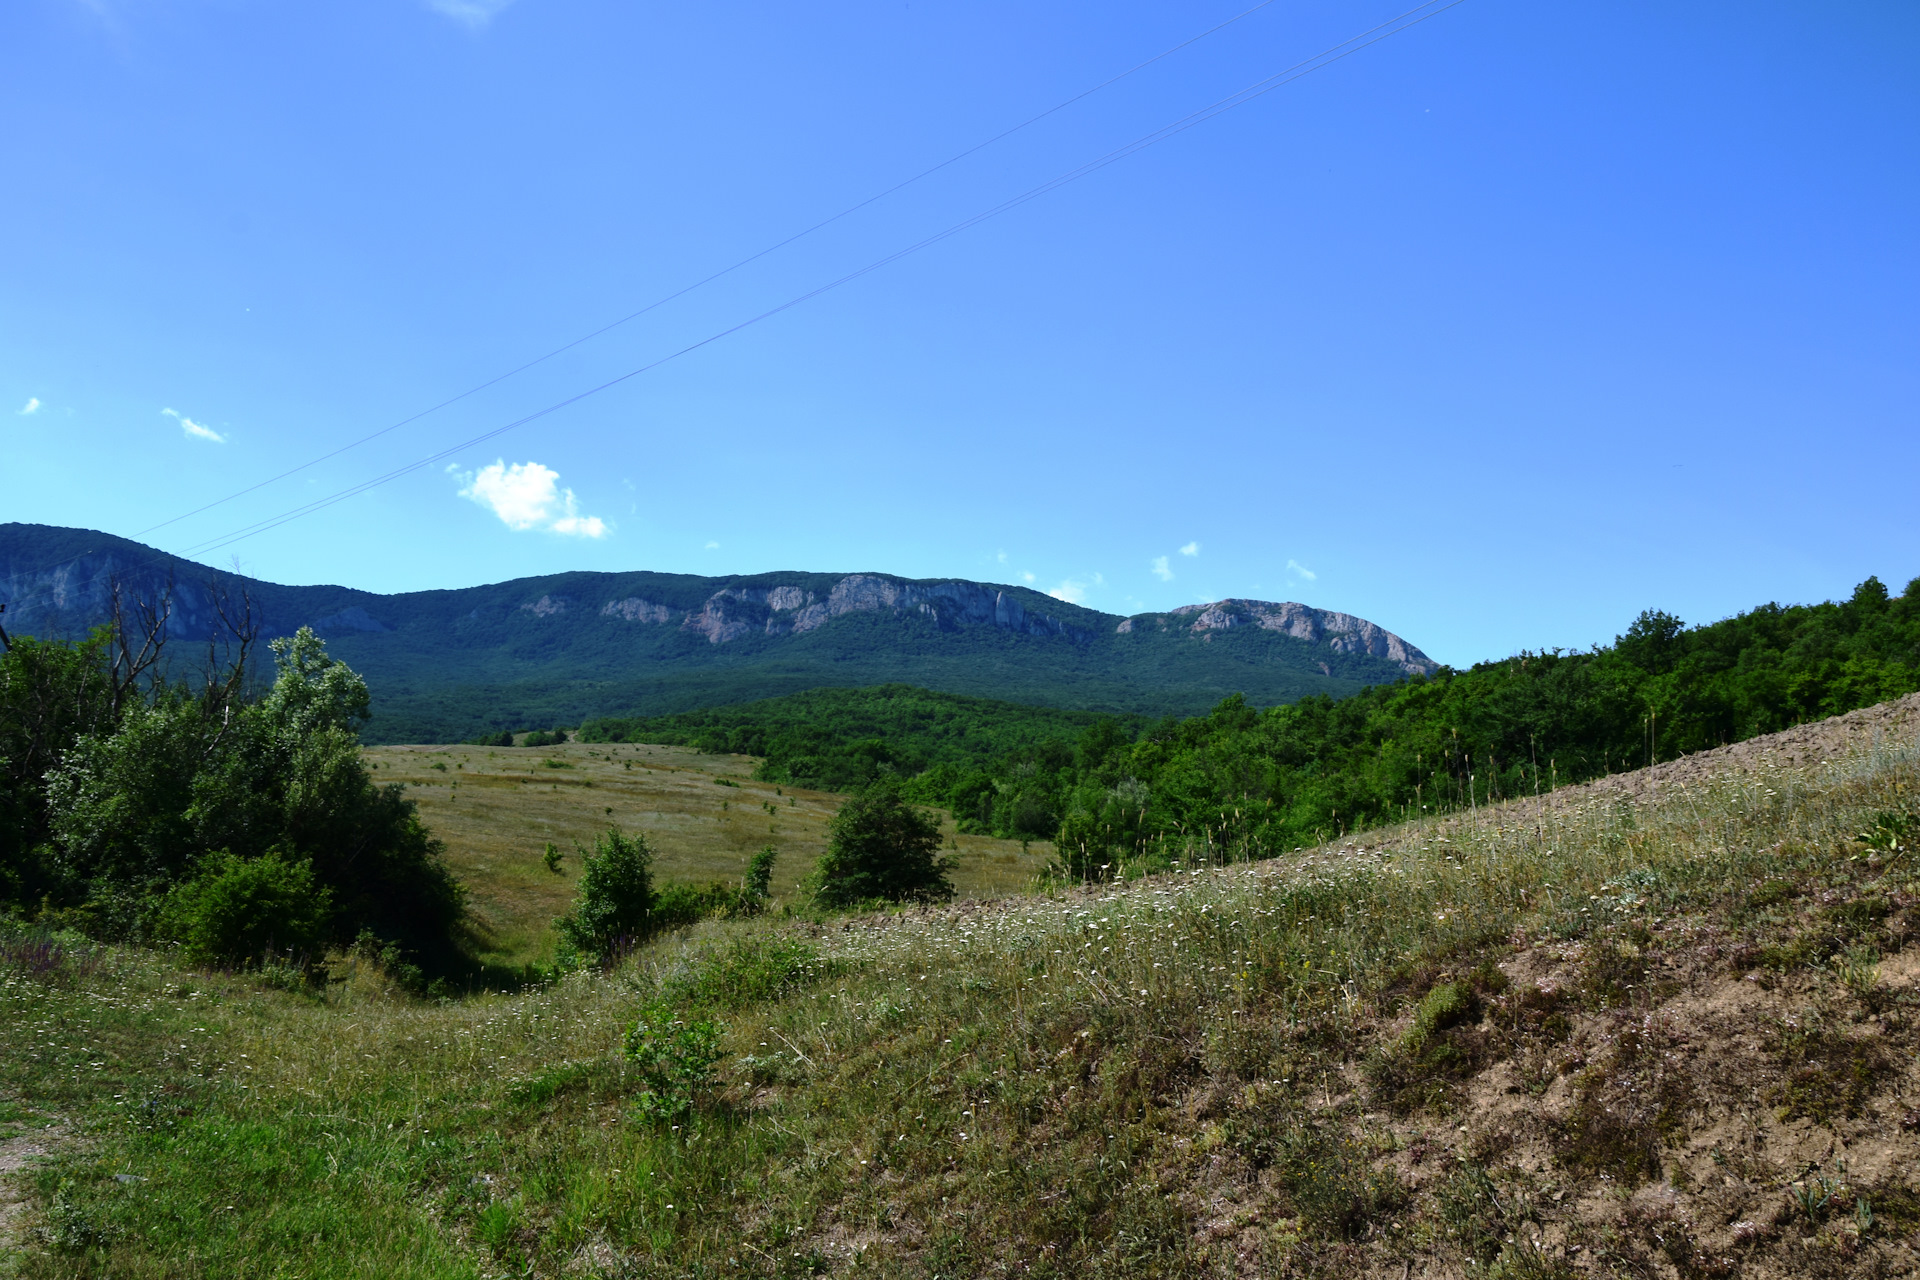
(194, 429)
(1026, 577)
(474, 13)
(713, 546)
(1003, 557)
(1191, 549)
(1161, 569)
(32, 406)
(526, 495)
(1294, 566)
(1070, 591)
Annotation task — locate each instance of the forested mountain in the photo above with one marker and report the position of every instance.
(1242, 782)
(447, 665)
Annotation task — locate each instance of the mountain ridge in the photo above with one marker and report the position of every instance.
(560, 647)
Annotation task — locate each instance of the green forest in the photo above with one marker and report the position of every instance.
(1243, 782)
(236, 821)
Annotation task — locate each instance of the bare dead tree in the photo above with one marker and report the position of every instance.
(230, 647)
(138, 638)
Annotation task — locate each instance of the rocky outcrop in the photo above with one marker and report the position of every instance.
(1340, 632)
(635, 609)
(548, 606)
(741, 611)
(348, 620)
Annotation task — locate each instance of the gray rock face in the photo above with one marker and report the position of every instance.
(634, 609)
(1340, 632)
(741, 611)
(548, 606)
(350, 619)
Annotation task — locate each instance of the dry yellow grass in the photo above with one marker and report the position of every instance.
(497, 807)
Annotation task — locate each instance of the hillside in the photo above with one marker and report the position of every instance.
(1655, 1027)
(446, 665)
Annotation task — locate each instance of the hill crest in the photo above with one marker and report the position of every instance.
(559, 648)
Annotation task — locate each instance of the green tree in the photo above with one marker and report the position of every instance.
(51, 695)
(616, 900)
(240, 909)
(880, 848)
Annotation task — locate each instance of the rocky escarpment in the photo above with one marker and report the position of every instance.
(737, 612)
(444, 664)
(1340, 632)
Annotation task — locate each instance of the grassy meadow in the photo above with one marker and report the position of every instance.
(496, 808)
(1663, 1036)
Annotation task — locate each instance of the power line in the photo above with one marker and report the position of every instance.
(682, 292)
(1346, 48)
(1327, 57)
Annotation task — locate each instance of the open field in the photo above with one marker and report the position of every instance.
(497, 807)
(1630, 1032)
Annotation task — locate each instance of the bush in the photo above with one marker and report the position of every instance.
(674, 1060)
(757, 885)
(616, 895)
(683, 904)
(880, 848)
(545, 738)
(241, 909)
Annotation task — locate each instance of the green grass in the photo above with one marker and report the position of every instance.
(1162, 1078)
(497, 808)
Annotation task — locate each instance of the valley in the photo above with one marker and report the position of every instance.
(495, 809)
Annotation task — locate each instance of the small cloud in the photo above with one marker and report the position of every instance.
(191, 427)
(1099, 580)
(476, 14)
(713, 546)
(1070, 591)
(1161, 569)
(1003, 557)
(1191, 549)
(31, 407)
(526, 495)
(1294, 566)
(1026, 577)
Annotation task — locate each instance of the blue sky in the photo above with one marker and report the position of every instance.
(1495, 332)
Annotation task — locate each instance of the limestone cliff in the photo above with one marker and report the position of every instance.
(1340, 632)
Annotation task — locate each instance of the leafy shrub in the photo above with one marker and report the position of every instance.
(615, 897)
(759, 967)
(241, 909)
(544, 738)
(678, 904)
(674, 1060)
(881, 849)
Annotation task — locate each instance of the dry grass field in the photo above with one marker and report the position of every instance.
(498, 807)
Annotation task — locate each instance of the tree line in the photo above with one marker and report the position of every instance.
(1242, 781)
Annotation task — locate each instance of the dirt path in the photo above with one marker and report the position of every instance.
(18, 1155)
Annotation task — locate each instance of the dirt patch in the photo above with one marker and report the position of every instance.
(18, 1154)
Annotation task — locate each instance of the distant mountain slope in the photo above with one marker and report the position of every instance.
(564, 647)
